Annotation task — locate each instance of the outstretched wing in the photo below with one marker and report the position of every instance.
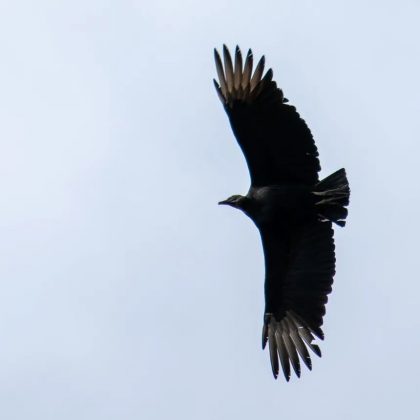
(277, 143)
(300, 265)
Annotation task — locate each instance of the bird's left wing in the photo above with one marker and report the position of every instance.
(300, 265)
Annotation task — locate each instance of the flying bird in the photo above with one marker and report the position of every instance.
(293, 210)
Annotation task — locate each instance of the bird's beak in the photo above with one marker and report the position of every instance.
(226, 202)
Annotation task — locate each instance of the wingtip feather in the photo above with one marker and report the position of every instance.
(264, 335)
(256, 78)
(238, 69)
(272, 346)
(220, 72)
(219, 92)
(228, 68)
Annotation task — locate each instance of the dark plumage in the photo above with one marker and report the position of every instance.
(292, 209)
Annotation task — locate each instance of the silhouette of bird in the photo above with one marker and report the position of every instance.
(291, 208)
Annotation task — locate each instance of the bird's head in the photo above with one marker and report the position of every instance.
(237, 201)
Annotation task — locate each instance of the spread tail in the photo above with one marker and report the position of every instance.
(333, 194)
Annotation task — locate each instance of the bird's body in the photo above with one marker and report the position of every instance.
(291, 208)
(278, 205)
(281, 205)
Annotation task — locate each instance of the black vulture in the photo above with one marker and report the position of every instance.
(292, 209)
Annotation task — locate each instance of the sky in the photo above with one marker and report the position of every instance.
(126, 292)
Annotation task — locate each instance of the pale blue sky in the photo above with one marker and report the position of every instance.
(126, 292)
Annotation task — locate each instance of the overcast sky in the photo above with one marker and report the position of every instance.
(126, 292)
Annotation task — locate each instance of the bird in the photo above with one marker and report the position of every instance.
(291, 207)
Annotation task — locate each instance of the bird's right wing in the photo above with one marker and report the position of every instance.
(277, 144)
(300, 265)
